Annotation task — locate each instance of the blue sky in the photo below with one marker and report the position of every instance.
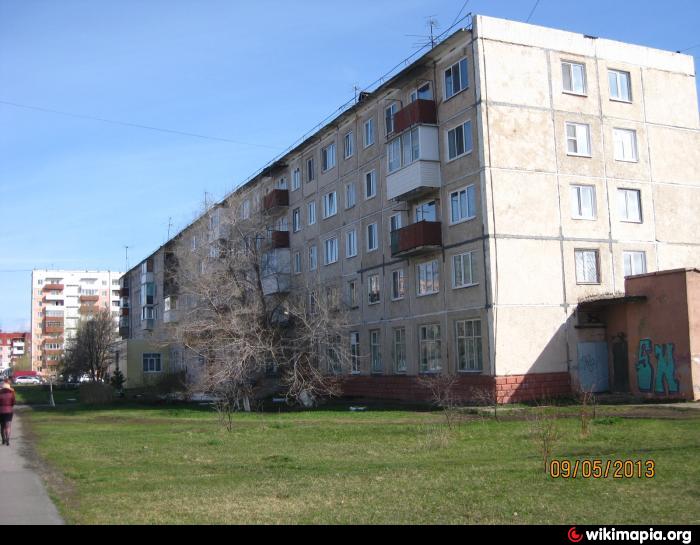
(74, 192)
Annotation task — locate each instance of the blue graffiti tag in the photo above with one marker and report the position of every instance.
(665, 368)
(644, 368)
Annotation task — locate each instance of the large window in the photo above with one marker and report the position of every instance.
(424, 92)
(399, 349)
(330, 205)
(428, 277)
(463, 204)
(351, 243)
(629, 206)
(456, 78)
(464, 270)
(313, 258)
(354, 352)
(468, 338)
(459, 140)
(398, 284)
(331, 250)
(583, 202)
(311, 212)
(625, 141)
(403, 150)
(310, 170)
(389, 113)
(587, 267)
(328, 157)
(429, 347)
(426, 211)
(296, 179)
(151, 363)
(350, 197)
(370, 184)
(297, 263)
(373, 289)
(372, 237)
(375, 350)
(296, 220)
(369, 132)
(349, 145)
(620, 86)
(578, 139)
(635, 263)
(573, 76)
(352, 294)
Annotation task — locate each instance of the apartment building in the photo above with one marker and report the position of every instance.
(60, 299)
(467, 205)
(13, 346)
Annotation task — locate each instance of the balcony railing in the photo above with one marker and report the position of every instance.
(89, 298)
(57, 287)
(276, 200)
(124, 292)
(279, 239)
(419, 111)
(417, 238)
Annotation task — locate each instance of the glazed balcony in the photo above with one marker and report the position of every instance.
(89, 298)
(52, 297)
(53, 328)
(276, 201)
(124, 292)
(279, 239)
(417, 238)
(417, 174)
(53, 352)
(419, 111)
(56, 287)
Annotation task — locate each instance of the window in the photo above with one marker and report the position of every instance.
(620, 87)
(354, 352)
(464, 270)
(282, 183)
(328, 157)
(375, 350)
(459, 140)
(427, 277)
(296, 179)
(403, 150)
(349, 145)
(629, 205)
(635, 263)
(372, 238)
(310, 170)
(462, 204)
(194, 242)
(578, 139)
(370, 184)
(394, 224)
(297, 263)
(352, 293)
(245, 210)
(625, 141)
(369, 132)
(311, 212)
(296, 220)
(151, 363)
(399, 349)
(456, 78)
(351, 243)
(373, 290)
(468, 338)
(424, 92)
(331, 253)
(330, 205)
(398, 284)
(426, 211)
(583, 202)
(587, 267)
(350, 197)
(313, 258)
(573, 77)
(429, 348)
(389, 113)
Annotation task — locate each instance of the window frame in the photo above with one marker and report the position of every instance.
(618, 86)
(396, 352)
(296, 260)
(579, 207)
(348, 145)
(588, 139)
(355, 353)
(478, 353)
(370, 176)
(375, 347)
(326, 157)
(348, 236)
(326, 205)
(378, 290)
(313, 262)
(152, 356)
(296, 220)
(472, 270)
(328, 260)
(402, 284)
(466, 189)
(376, 237)
(626, 191)
(635, 147)
(598, 279)
(630, 253)
(584, 78)
(310, 169)
(464, 142)
(311, 207)
(462, 69)
(296, 179)
(368, 123)
(350, 186)
(437, 339)
(435, 277)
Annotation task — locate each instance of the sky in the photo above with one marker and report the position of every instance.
(252, 76)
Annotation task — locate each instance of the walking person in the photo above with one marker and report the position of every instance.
(7, 402)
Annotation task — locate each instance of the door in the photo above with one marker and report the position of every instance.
(593, 366)
(620, 364)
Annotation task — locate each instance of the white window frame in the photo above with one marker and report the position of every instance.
(328, 158)
(297, 262)
(398, 349)
(462, 66)
(353, 293)
(371, 177)
(577, 138)
(618, 88)
(624, 192)
(355, 352)
(313, 258)
(351, 243)
(375, 348)
(430, 270)
(311, 212)
(296, 220)
(401, 275)
(296, 179)
(310, 169)
(348, 145)
(573, 91)
(466, 129)
(371, 280)
(470, 195)
(584, 252)
(368, 132)
(415, 94)
(629, 255)
(155, 360)
(575, 192)
(473, 348)
(389, 119)
(394, 224)
(330, 253)
(620, 147)
(327, 212)
(350, 195)
(375, 237)
(424, 345)
(470, 257)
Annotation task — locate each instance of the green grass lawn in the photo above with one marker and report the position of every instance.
(39, 394)
(159, 465)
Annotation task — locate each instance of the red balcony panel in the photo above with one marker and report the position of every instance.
(125, 311)
(53, 352)
(418, 111)
(89, 298)
(280, 239)
(124, 292)
(53, 329)
(275, 199)
(58, 287)
(416, 238)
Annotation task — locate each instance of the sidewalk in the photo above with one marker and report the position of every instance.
(23, 498)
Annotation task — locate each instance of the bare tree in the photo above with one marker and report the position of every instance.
(252, 331)
(443, 394)
(90, 352)
(544, 432)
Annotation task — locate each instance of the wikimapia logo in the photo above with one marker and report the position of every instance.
(636, 536)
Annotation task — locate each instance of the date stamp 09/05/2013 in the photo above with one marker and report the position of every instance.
(602, 469)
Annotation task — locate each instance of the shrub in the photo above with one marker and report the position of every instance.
(96, 393)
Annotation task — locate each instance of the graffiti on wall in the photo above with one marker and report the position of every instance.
(661, 379)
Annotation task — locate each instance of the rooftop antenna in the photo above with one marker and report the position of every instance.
(170, 224)
(356, 88)
(126, 258)
(433, 24)
(431, 39)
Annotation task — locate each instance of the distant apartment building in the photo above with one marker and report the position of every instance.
(60, 299)
(468, 204)
(13, 346)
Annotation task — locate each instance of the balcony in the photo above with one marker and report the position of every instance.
(276, 269)
(147, 324)
(87, 309)
(53, 328)
(124, 292)
(276, 283)
(420, 175)
(124, 311)
(419, 111)
(53, 352)
(89, 298)
(52, 297)
(276, 201)
(57, 287)
(279, 239)
(417, 238)
(124, 331)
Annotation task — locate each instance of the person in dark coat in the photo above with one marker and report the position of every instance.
(7, 403)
